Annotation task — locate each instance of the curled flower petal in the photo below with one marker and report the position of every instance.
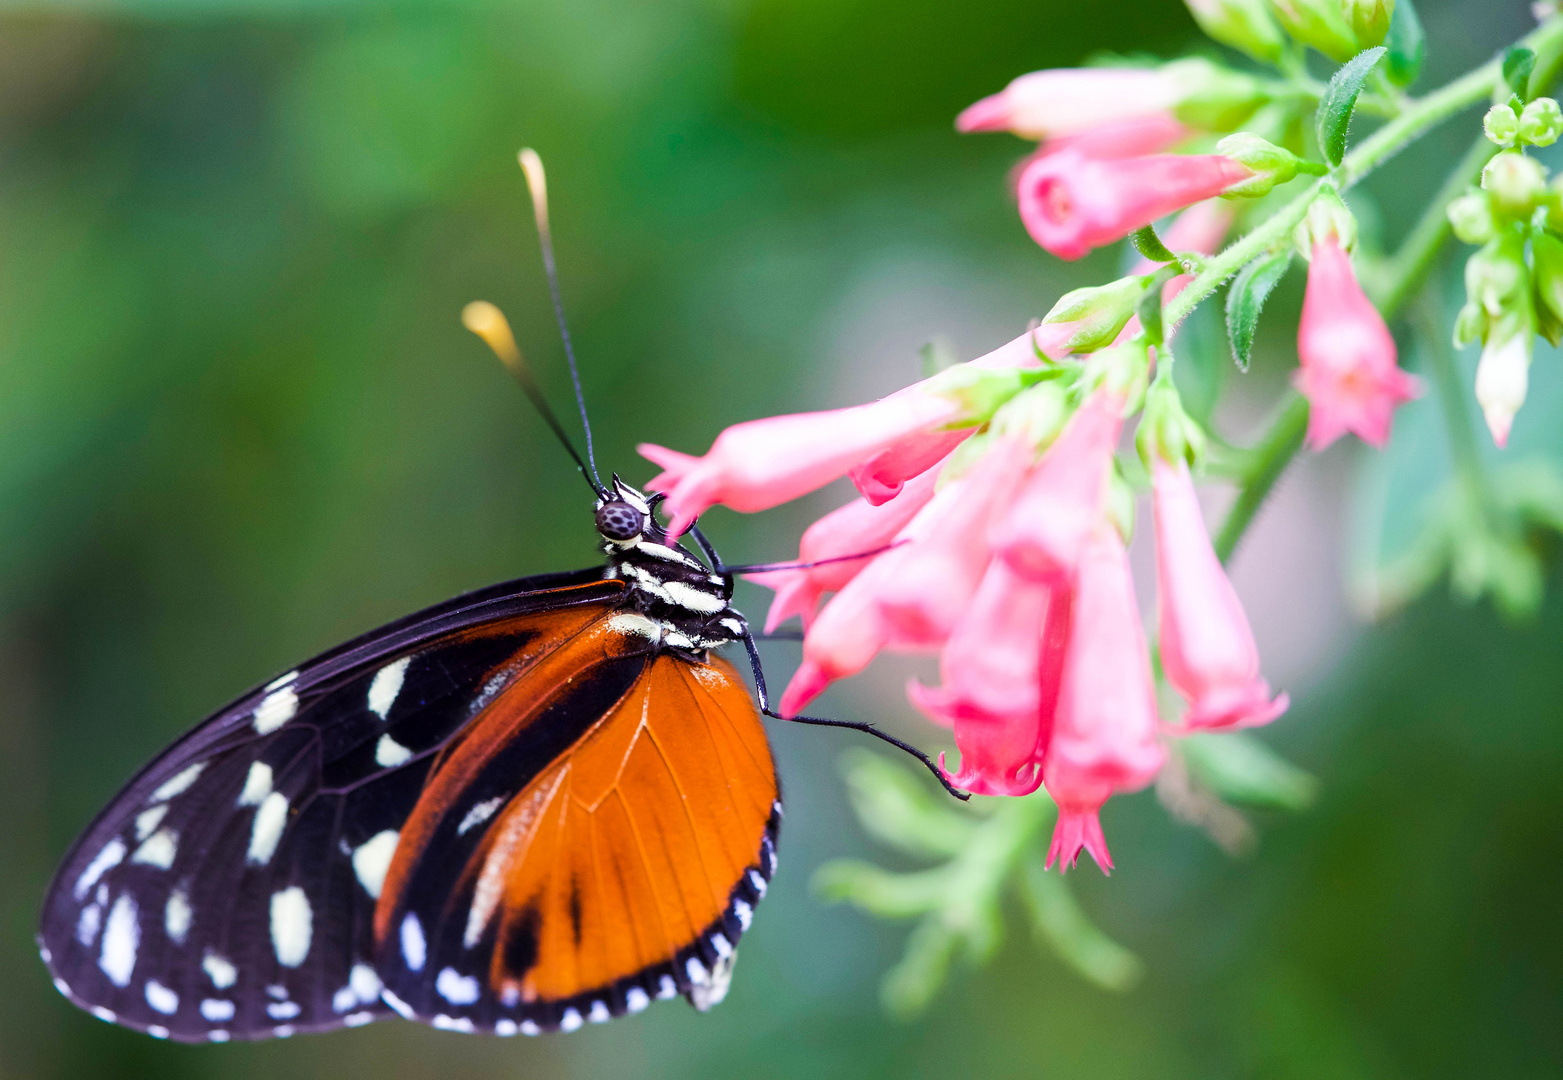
(1070, 203)
(1076, 830)
(1207, 648)
(858, 527)
(764, 463)
(1348, 368)
(1104, 736)
(1046, 528)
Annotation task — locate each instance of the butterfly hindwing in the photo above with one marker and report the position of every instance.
(229, 891)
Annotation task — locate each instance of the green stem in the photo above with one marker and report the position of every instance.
(1451, 393)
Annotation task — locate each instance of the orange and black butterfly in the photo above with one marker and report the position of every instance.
(538, 805)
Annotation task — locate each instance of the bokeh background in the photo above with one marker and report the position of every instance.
(240, 421)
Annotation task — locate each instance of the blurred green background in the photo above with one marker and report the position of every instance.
(240, 421)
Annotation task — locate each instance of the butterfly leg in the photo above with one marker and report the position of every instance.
(855, 725)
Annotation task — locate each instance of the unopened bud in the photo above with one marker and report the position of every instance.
(1501, 124)
(1369, 20)
(1471, 217)
(1327, 219)
(1319, 23)
(1166, 430)
(1542, 122)
(1122, 369)
(1503, 374)
(1211, 97)
(1469, 325)
(1516, 183)
(1245, 25)
(1098, 313)
(1547, 255)
(1496, 278)
(1271, 164)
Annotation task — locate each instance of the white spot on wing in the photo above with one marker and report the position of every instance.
(282, 681)
(452, 1023)
(723, 947)
(121, 939)
(148, 820)
(480, 813)
(744, 912)
(343, 1000)
(636, 999)
(158, 850)
(386, 685)
(696, 971)
(108, 1016)
(598, 1013)
(504, 1028)
(414, 949)
(257, 784)
(101, 863)
(666, 987)
(283, 1031)
(703, 995)
(218, 968)
(292, 926)
(358, 1019)
(456, 988)
(217, 1010)
(396, 1003)
(157, 1031)
(530, 1028)
(373, 858)
(570, 1020)
(758, 882)
(177, 783)
(176, 916)
(365, 982)
(162, 998)
(275, 709)
(389, 753)
(88, 923)
(266, 832)
(283, 1010)
(218, 1035)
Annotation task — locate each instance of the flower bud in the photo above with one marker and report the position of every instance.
(1471, 217)
(1547, 255)
(1271, 164)
(1469, 325)
(1122, 369)
(1516, 182)
(1245, 25)
(1097, 313)
(1503, 373)
(1501, 124)
(1495, 277)
(1369, 20)
(1542, 122)
(1319, 23)
(1166, 431)
(1326, 219)
(1212, 97)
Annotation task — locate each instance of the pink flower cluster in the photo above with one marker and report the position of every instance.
(1004, 558)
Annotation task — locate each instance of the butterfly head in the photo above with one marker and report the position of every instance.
(624, 515)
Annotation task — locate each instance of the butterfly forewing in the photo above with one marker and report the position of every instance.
(229, 890)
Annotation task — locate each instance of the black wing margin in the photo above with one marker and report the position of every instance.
(228, 891)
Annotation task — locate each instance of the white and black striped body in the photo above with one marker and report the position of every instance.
(689, 604)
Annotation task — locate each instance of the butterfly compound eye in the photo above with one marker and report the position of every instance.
(618, 520)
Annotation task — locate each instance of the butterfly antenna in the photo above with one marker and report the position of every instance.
(537, 185)
(488, 322)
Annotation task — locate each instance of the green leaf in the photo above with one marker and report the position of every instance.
(1148, 244)
(1518, 63)
(1338, 101)
(1239, 768)
(1407, 45)
(1059, 921)
(1246, 299)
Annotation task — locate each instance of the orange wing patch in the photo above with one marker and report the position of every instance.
(627, 865)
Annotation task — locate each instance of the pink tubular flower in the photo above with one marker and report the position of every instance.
(1070, 203)
(1124, 138)
(858, 527)
(1207, 648)
(1348, 371)
(1074, 101)
(880, 477)
(1104, 737)
(764, 463)
(937, 574)
(1045, 529)
(991, 695)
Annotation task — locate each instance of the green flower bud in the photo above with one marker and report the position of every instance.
(1501, 125)
(1471, 217)
(1496, 277)
(1120, 504)
(1166, 430)
(1369, 20)
(1469, 325)
(1211, 97)
(1516, 183)
(1123, 368)
(1271, 164)
(1547, 254)
(1542, 122)
(1319, 23)
(1246, 25)
(1327, 217)
(1100, 312)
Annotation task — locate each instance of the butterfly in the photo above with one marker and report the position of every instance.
(534, 806)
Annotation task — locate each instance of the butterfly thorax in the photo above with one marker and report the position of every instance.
(685, 604)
